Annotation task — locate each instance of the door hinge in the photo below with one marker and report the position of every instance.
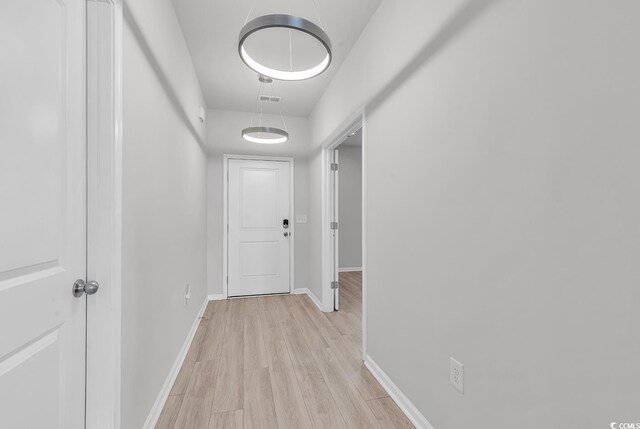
(334, 285)
(334, 225)
(334, 166)
(227, 227)
(227, 279)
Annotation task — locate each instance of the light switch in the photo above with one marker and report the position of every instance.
(301, 218)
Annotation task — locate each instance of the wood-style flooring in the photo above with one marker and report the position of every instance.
(279, 362)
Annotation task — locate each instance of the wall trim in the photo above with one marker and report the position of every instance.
(216, 297)
(161, 399)
(354, 122)
(365, 276)
(307, 291)
(405, 405)
(349, 269)
(104, 39)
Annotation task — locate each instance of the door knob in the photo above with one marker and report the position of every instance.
(80, 287)
(286, 233)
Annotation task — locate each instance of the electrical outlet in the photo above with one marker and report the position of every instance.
(456, 374)
(187, 294)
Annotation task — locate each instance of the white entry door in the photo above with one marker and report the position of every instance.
(260, 227)
(42, 213)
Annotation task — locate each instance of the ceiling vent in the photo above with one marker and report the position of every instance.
(269, 98)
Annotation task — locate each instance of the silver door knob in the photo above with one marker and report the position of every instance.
(80, 287)
(286, 233)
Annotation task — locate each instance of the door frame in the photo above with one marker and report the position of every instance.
(104, 212)
(353, 123)
(225, 215)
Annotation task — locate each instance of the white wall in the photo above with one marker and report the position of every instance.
(315, 224)
(215, 226)
(513, 129)
(164, 203)
(224, 137)
(350, 206)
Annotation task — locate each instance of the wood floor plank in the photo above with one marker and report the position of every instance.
(184, 375)
(227, 420)
(216, 326)
(291, 410)
(269, 311)
(351, 286)
(259, 408)
(312, 335)
(182, 380)
(315, 392)
(228, 390)
(170, 412)
(367, 384)
(349, 356)
(350, 304)
(355, 342)
(388, 414)
(195, 409)
(237, 308)
(208, 311)
(351, 404)
(254, 351)
(324, 325)
(345, 323)
(352, 294)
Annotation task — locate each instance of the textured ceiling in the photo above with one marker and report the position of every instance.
(211, 29)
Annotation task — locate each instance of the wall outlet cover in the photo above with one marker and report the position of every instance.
(187, 294)
(456, 374)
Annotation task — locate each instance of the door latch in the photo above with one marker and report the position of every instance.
(80, 287)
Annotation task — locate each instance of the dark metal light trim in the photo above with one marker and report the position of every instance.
(291, 22)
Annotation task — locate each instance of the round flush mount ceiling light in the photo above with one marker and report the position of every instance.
(291, 23)
(265, 134)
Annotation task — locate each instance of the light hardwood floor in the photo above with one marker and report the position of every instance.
(279, 362)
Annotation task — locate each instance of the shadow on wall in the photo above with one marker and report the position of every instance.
(451, 29)
(159, 72)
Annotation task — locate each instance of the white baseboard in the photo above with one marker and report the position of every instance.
(349, 269)
(407, 407)
(310, 295)
(154, 414)
(217, 297)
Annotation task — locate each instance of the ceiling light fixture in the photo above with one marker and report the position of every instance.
(265, 134)
(292, 23)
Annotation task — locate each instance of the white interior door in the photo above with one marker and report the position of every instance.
(258, 238)
(42, 213)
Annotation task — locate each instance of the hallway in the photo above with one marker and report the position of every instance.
(278, 362)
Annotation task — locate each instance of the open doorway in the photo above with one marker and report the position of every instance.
(347, 223)
(344, 255)
(353, 290)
